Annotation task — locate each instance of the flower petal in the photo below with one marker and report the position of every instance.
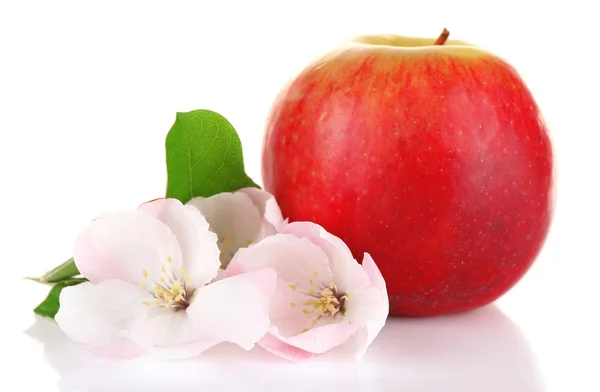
(369, 307)
(130, 246)
(347, 273)
(301, 266)
(199, 250)
(268, 207)
(276, 346)
(168, 335)
(96, 315)
(234, 309)
(369, 311)
(296, 260)
(288, 311)
(234, 218)
(372, 271)
(321, 339)
(220, 275)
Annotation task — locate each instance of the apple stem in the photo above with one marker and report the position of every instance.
(442, 38)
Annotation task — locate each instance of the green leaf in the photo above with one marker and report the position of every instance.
(64, 271)
(49, 307)
(204, 157)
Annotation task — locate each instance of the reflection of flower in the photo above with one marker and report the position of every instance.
(240, 218)
(322, 297)
(150, 287)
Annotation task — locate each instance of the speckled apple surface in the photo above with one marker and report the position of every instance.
(435, 159)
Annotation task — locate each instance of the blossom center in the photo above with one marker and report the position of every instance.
(171, 297)
(328, 302)
(172, 290)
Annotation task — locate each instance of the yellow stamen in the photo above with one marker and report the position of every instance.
(181, 271)
(188, 280)
(310, 281)
(292, 304)
(328, 303)
(162, 268)
(145, 272)
(305, 330)
(292, 286)
(162, 279)
(145, 303)
(169, 260)
(305, 311)
(144, 285)
(227, 240)
(315, 320)
(248, 242)
(315, 273)
(171, 296)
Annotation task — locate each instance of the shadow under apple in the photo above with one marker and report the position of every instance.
(478, 351)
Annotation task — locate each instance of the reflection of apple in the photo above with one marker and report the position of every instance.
(470, 352)
(433, 158)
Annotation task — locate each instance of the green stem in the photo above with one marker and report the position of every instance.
(66, 270)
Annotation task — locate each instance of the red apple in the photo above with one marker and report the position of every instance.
(431, 155)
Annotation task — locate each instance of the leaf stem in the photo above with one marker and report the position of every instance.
(66, 270)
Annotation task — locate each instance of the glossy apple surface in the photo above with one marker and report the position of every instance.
(435, 159)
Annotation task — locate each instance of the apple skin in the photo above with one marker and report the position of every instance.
(436, 160)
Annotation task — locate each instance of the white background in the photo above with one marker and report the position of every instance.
(88, 91)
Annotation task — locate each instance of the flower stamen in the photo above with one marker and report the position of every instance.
(170, 291)
(330, 302)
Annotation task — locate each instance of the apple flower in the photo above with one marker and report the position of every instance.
(323, 296)
(240, 218)
(151, 288)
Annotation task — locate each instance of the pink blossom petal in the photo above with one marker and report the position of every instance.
(130, 246)
(234, 218)
(288, 311)
(348, 273)
(368, 308)
(234, 309)
(168, 335)
(96, 315)
(297, 261)
(198, 244)
(275, 346)
(320, 339)
(281, 226)
(268, 207)
(220, 275)
(372, 271)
